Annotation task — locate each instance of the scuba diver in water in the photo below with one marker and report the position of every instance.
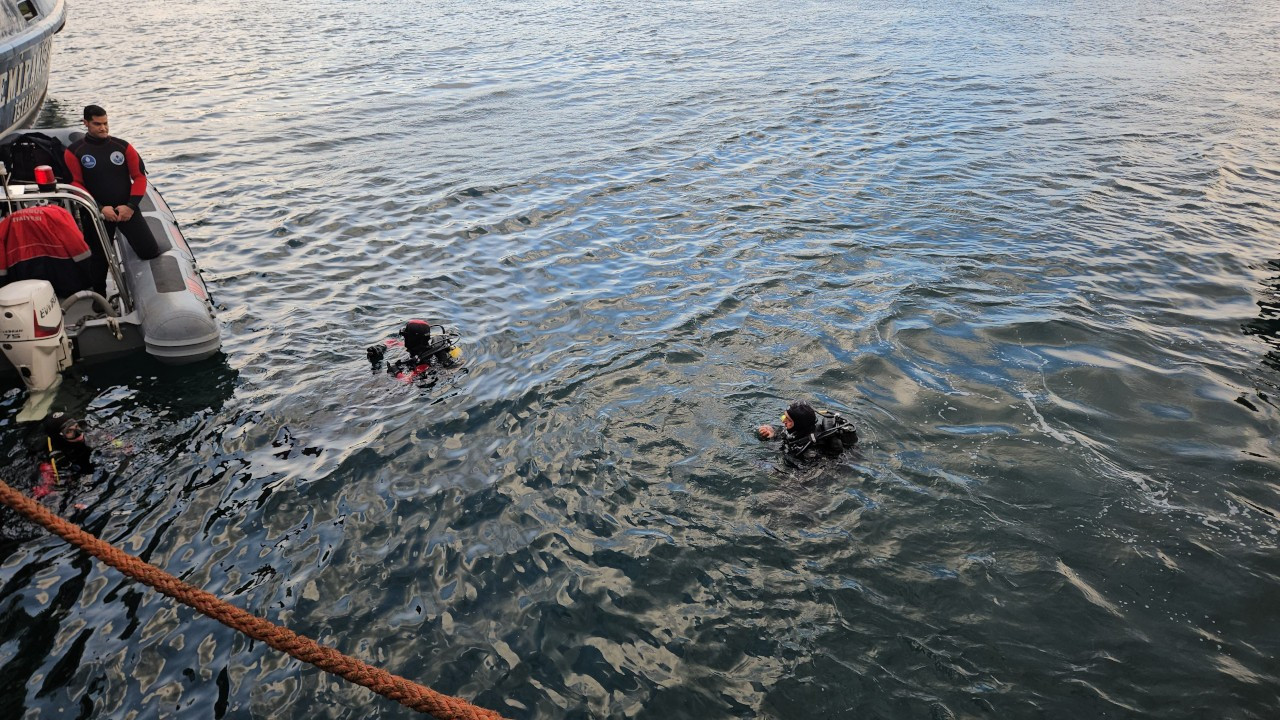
(68, 453)
(805, 429)
(424, 351)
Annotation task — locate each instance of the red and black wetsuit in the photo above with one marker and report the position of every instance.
(111, 170)
(423, 352)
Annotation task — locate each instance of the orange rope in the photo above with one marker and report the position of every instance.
(405, 692)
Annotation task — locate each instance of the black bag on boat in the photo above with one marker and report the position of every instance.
(23, 153)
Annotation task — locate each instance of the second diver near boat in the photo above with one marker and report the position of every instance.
(71, 449)
(113, 173)
(68, 455)
(424, 351)
(806, 430)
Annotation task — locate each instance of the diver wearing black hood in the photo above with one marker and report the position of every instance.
(804, 429)
(424, 350)
(67, 454)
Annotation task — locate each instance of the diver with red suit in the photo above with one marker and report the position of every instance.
(424, 351)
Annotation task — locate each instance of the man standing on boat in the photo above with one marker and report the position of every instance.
(111, 170)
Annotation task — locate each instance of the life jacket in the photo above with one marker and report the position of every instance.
(831, 432)
(44, 243)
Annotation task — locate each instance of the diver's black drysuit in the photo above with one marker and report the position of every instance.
(830, 435)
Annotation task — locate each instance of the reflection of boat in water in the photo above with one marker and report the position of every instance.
(26, 42)
(159, 305)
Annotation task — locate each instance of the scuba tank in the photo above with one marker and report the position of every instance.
(424, 346)
(833, 423)
(831, 430)
(440, 348)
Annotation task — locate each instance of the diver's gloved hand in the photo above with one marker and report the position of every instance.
(375, 353)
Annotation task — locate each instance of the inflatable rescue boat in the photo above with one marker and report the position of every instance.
(159, 306)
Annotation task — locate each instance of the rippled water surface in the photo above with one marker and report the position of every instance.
(1030, 248)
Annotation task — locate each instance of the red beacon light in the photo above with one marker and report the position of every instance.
(45, 178)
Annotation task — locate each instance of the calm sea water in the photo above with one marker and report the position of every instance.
(1030, 248)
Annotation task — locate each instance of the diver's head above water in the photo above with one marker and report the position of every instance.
(800, 418)
(63, 428)
(417, 338)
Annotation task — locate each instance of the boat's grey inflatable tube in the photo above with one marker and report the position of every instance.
(173, 305)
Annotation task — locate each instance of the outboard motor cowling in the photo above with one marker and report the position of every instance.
(31, 333)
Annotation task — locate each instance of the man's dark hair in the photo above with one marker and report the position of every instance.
(93, 111)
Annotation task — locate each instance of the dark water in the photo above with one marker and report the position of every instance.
(1029, 247)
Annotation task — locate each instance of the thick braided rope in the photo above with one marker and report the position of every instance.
(405, 692)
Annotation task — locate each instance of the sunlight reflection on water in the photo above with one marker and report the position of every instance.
(1028, 250)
